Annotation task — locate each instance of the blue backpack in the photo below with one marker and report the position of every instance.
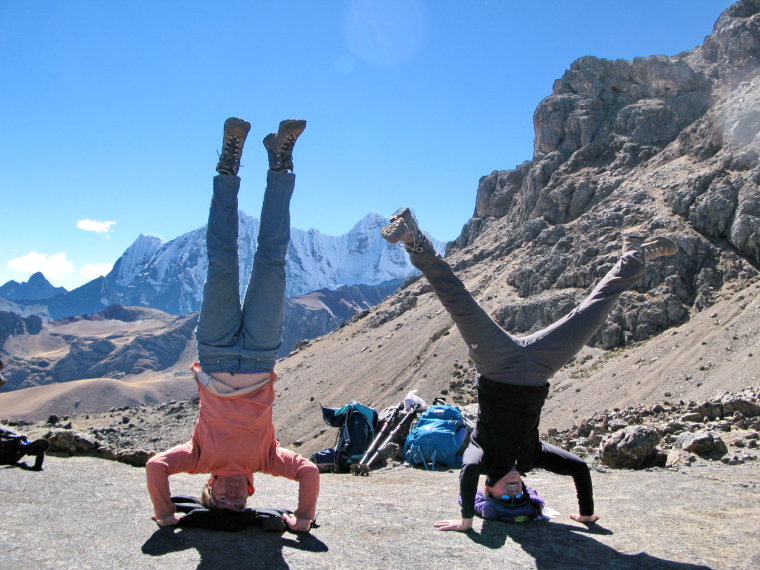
(437, 438)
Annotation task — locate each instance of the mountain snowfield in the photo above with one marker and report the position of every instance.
(169, 275)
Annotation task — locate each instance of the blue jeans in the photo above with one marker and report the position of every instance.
(533, 359)
(244, 339)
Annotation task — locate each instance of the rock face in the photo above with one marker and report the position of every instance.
(319, 312)
(657, 144)
(12, 324)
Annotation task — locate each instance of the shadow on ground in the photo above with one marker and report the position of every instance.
(557, 546)
(250, 548)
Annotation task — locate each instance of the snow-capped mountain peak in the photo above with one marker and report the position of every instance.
(170, 275)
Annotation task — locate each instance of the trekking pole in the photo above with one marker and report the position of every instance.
(364, 469)
(356, 468)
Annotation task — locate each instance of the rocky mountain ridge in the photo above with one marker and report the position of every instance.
(657, 144)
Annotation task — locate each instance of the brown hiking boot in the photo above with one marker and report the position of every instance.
(403, 228)
(280, 145)
(235, 131)
(650, 248)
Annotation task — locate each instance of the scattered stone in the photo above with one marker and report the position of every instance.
(692, 417)
(703, 444)
(679, 457)
(617, 424)
(134, 457)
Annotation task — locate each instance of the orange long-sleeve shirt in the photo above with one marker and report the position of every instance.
(233, 435)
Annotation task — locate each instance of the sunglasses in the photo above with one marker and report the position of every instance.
(512, 499)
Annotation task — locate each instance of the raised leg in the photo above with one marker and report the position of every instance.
(265, 297)
(551, 348)
(490, 346)
(264, 302)
(219, 322)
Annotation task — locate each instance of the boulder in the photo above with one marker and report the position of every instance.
(673, 427)
(633, 447)
(710, 410)
(692, 417)
(71, 442)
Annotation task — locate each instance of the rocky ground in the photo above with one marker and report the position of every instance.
(690, 504)
(86, 513)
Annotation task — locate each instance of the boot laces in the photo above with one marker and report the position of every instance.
(232, 144)
(287, 146)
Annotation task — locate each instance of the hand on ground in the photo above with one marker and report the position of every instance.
(170, 520)
(585, 518)
(461, 526)
(297, 525)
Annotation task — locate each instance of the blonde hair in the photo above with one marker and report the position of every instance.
(206, 499)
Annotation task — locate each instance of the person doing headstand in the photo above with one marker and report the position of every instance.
(513, 375)
(234, 436)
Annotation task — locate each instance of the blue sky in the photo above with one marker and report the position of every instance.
(112, 112)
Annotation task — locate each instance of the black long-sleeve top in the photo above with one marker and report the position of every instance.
(506, 434)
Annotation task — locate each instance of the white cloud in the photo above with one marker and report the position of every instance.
(105, 227)
(53, 266)
(94, 270)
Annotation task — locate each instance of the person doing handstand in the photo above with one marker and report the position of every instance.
(234, 436)
(513, 373)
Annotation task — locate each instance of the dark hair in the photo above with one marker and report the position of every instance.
(494, 476)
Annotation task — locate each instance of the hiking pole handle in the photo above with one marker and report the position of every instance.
(409, 414)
